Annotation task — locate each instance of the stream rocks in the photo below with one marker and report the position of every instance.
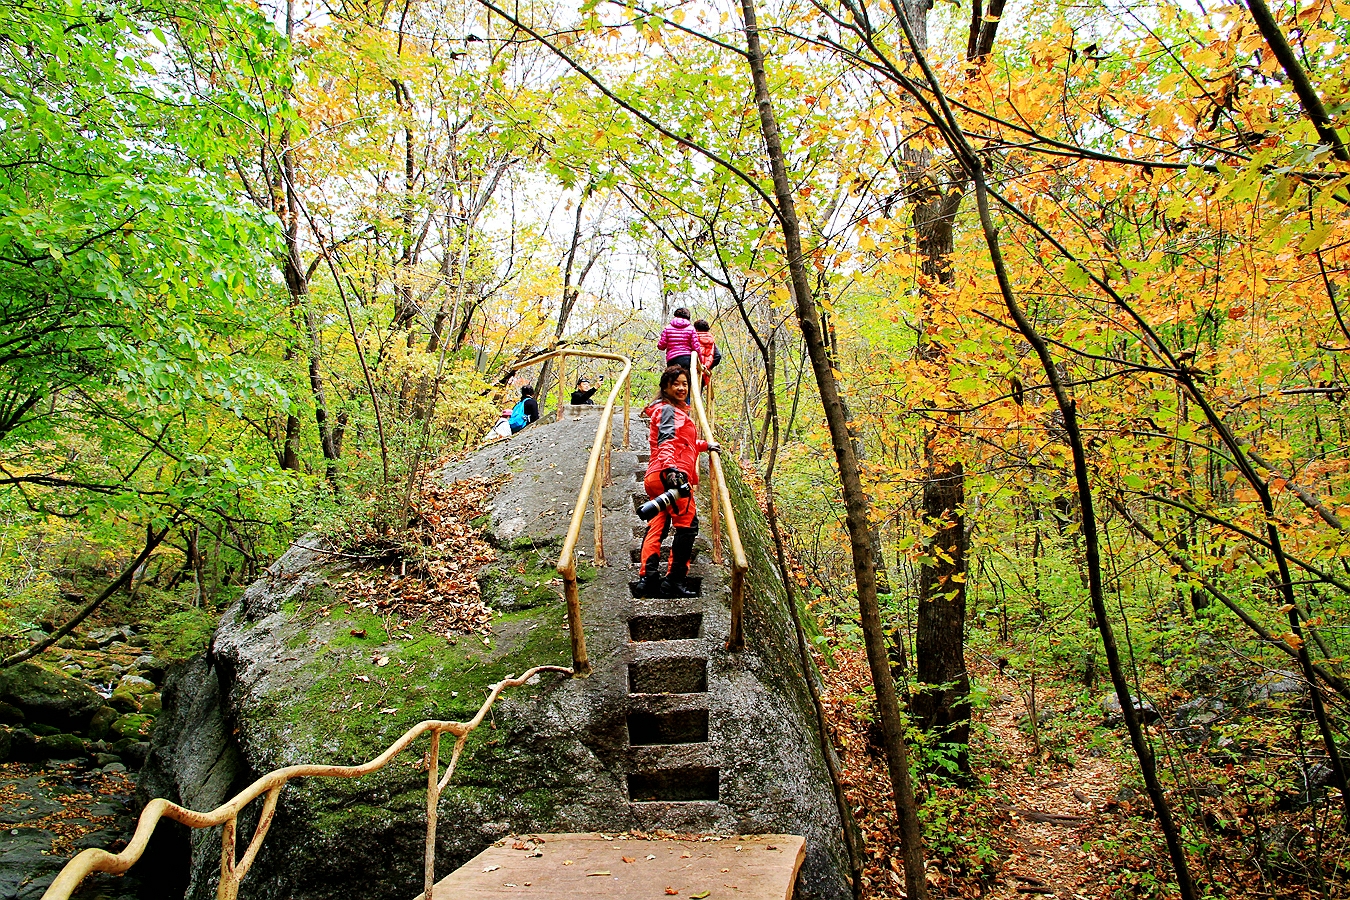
(52, 812)
(65, 754)
(47, 697)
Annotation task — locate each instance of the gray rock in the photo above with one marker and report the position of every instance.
(283, 685)
(52, 698)
(61, 746)
(136, 754)
(136, 684)
(106, 759)
(150, 667)
(1110, 705)
(22, 745)
(114, 767)
(101, 637)
(1276, 685)
(1194, 720)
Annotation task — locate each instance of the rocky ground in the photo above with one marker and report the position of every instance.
(75, 730)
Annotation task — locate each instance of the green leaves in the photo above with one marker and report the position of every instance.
(133, 277)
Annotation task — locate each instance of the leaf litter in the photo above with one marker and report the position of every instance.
(432, 568)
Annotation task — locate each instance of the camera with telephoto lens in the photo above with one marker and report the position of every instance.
(662, 502)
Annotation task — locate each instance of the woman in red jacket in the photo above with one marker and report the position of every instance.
(675, 447)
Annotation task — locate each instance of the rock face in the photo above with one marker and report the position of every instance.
(671, 733)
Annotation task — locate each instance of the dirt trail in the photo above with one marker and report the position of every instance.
(1053, 812)
(1036, 815)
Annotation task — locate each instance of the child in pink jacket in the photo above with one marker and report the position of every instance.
(679, 340)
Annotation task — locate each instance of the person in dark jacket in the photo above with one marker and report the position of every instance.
(584, 392)
(526, 411)
(678, 339)
(675, 447)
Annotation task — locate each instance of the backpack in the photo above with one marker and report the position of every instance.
(518, 416)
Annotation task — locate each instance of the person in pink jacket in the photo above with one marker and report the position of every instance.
(679, 340)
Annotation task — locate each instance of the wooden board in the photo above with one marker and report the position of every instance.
(587, 866)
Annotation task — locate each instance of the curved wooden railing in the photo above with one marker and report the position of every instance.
(721, 503)
(592, 488)
(233, 868)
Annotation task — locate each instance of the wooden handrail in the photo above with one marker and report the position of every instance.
(721, 499)
(232, 868)
(592, 486)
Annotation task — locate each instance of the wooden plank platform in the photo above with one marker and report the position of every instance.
(587, 866)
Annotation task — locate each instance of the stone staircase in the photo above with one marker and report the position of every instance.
(670, 757)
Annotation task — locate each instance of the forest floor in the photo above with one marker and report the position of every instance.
(1057, 823)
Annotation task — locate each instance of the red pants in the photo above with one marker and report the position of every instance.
(682, 516)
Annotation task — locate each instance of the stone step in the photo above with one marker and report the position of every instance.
(683, 785)
(668, 675)
(692, 582)
(681, 726)
(677, 627)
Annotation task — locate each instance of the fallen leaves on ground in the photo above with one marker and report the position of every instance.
(73, 821)
(433, 575)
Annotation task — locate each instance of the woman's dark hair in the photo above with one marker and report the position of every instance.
(682, 313)
(669, 375)
(702, 325)
(526, 390)
(581, 381)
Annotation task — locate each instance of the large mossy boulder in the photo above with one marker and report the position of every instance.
(48, 697)
(303, 670)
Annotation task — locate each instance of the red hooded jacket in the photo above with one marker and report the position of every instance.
(674, 439)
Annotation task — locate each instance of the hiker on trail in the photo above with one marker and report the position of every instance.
(526, 411)
(675, 447)
(708, 354)
(678, 340)
(584, 392)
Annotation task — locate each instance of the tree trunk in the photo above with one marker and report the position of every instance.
(405, 306)
(942, 705)
(857, 515)
(290, 444)
(297, 284)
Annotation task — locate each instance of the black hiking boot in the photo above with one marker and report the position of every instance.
(647, 586)
(676, 588)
